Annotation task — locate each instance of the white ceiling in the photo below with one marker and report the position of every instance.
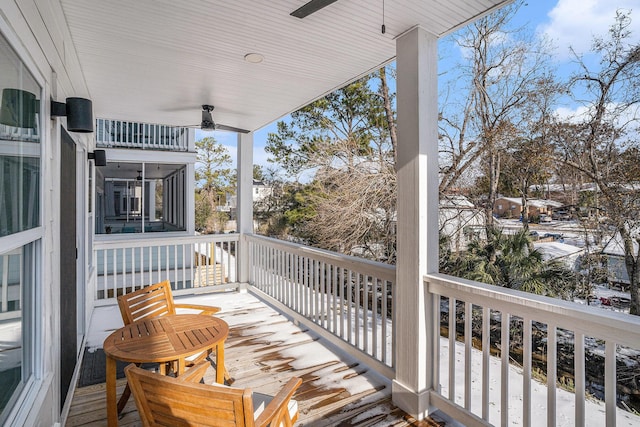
(158, 61)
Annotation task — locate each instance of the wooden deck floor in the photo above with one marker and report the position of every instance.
(263, 351)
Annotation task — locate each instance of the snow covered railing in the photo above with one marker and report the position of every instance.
(124, 134)
(124, 264)
(349, 297)
(594, 345)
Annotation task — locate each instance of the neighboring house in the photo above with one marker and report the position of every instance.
(259, 191)
(511, 207)
(614, 253)
(461, 221)
(569, 194)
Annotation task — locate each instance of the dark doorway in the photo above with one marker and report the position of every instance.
(68, 256)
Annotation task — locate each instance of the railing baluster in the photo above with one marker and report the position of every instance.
(349, 307)
(167, 263)
(323, 296)
(374, 317)
(273, 256)
(287, 279)
(486, 354)
(384, 314)
(124, 271)
(468, 345)
(298, 275)
(134, 285)
(504, 374)
(310, 276)
(189, 265)
(452, 349)
(175, 265)
(365, 313)
(526, 371)
(356, 307)
(300, 285)
(610, 382)
(159, 265)
(316, 290)
(114, 274)
(579, 379)
(552, 373)
(105, 274)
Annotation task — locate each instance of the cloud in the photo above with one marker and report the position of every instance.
(572, 115)
(629, 118)
(574, 23)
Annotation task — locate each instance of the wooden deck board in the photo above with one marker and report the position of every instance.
(336, 390)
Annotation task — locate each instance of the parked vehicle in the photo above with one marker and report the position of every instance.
(561, 216)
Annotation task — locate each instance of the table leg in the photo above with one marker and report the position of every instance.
(112, 408)
(220, 370)
(181, 366)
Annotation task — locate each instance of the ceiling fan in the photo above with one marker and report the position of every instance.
(311, 7)
(207, 122)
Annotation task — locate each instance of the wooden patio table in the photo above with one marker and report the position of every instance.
(163, 339)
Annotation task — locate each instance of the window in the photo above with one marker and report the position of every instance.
(139, 198)
(20, 213)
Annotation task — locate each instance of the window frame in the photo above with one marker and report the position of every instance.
(33, 346)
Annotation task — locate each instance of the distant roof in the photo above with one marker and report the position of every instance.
(615, 246)
(559, 188)
(556, 250)
(539, 203)
(455, 200)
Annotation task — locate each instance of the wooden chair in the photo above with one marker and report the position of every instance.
(154, 300)
(183, 401)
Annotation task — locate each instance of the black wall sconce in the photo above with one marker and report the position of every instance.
(19, 108)
(99, 157)
(79, 113)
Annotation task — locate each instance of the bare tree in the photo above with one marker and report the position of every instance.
(501, 69)
(529, 159)
(346, 140)
(603, 142)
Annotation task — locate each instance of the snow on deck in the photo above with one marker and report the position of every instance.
(265, 349)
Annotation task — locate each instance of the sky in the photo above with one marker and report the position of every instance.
(567, 23)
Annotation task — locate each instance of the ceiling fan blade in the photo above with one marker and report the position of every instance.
(231, 129)
(311, 7)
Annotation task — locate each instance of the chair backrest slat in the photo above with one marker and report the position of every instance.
(164, 401)
(153, 300)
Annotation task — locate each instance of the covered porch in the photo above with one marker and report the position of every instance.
(332, 320)
(392, 338)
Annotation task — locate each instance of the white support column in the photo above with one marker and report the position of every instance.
(189, 199)
(244, 205)
(417, 89)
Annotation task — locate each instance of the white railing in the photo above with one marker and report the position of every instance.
(346, 296)
(490, 318)
(123, 134)
(10, 133)
(501, 356)
(11, 284)
(127, 264)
